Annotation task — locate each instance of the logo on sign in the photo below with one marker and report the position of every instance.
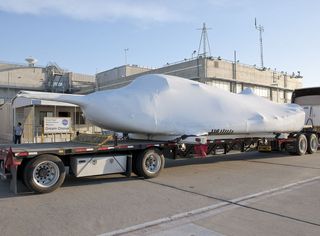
(65, 122)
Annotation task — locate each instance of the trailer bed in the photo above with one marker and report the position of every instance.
(72, 147)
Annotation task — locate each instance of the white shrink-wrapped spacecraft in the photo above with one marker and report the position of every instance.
(156, 105)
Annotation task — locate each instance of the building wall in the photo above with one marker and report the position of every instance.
(33, 130)
(134, 69)
(21, 78)
(219, 69)
(6, 124)
(118, 75)
(28, 124)
(15, 77)
(244, 73)
(81, 83)
(192, 69)
(223, 74)
(6, 66)
(38, 134)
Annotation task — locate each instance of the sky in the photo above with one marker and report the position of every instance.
(90, 36)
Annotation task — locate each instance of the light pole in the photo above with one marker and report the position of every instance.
(125, 55)
(193, 53)
(8, 95)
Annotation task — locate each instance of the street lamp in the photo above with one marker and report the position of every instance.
(193, 53)
(125, 55)
(8, 92)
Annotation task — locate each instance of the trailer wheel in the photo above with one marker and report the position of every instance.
(44, 173)
(312, 143)
(301, 145)
(149, 163)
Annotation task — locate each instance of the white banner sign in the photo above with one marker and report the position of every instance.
(56, 125)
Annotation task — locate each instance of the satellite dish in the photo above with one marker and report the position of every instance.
(31, 61)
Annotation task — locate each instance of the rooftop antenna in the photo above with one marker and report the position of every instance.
(204, 41)
(31, 61)
(260, 29)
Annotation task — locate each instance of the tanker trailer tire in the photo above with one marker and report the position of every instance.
(312, 143)
(44, 174)
(301, 145)
(149, 163)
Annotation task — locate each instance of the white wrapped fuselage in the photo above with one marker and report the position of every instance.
(169, 105)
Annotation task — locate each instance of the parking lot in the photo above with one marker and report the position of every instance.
(238, 194)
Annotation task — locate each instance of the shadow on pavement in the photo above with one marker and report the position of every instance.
(246, 156)
(72, 181)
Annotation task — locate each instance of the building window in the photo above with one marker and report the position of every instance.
(239, 88)
(64, 114)
(216, 64)
(281, 94)
(44, 114)
(261, 91)
(288, 96)
(224, 85)
(79, 118)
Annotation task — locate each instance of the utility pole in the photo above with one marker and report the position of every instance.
(234, 73)
(125, 55)
(235, 64)
(8, 93)
(204, 41)
(260, 29)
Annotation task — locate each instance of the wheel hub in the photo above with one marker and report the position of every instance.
(46, 174)
(43, 172)
(152, 163)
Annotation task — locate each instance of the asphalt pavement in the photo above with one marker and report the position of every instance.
(238, 194)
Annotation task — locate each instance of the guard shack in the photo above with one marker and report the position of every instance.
(33, 113)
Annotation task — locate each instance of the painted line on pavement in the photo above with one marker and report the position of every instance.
(202, 210)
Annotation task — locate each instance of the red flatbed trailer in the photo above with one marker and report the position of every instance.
(41, 166)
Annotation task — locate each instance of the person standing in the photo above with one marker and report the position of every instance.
(18, 131)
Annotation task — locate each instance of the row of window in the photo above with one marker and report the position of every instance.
(258, 90)
(220, 84)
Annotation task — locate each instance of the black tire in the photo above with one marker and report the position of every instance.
(149, 163)
(312, 143)
(301, 145)
(44, 174)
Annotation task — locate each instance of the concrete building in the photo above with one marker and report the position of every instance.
(231, 76)
(15, 77)
(31, 112)
(118, 74)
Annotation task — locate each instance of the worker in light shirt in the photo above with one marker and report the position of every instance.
(18, 131)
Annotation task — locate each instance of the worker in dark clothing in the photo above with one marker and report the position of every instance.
(18, 131)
